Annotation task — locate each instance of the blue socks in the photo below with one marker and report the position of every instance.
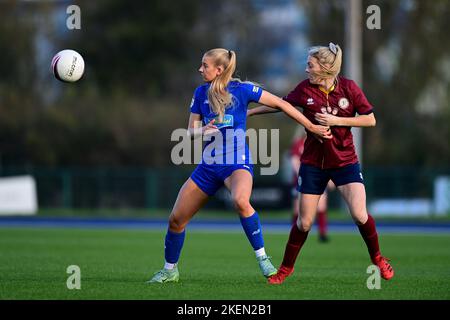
(173, 244)
(253, 230)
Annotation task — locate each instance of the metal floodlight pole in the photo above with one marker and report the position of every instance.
(353, 56)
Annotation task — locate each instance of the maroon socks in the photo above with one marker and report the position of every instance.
(296, 240)
(322, 222)
(370, 236)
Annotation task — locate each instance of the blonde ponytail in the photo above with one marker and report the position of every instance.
(218, 96)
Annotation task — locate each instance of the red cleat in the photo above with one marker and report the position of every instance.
(279, 277)
(386, 270)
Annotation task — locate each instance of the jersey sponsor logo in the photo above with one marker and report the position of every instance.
(343, 103)
(255, 89)
(228, 121)
(206, 101)
(309, 101)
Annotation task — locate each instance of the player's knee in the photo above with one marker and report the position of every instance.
(304, 225)
(360, 219)
(176, 224)
(241, 203)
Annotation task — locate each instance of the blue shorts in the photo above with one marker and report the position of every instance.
(313, 180)
(210, 178)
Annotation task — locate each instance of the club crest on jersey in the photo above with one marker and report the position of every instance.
(310, 101)
(343, 103)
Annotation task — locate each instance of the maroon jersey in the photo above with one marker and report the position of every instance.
(345, 100)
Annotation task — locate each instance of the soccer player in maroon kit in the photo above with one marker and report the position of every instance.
(330, 100)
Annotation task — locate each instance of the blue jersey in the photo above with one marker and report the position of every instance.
(229, 145)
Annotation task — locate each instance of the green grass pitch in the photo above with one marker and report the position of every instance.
(214, 265)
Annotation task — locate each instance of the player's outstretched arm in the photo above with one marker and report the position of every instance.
(273, 101)
(261, 110)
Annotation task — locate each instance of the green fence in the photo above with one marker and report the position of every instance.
(104, 187)
(158, 188)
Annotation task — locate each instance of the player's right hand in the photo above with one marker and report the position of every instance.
(321, 132)
(210, 128)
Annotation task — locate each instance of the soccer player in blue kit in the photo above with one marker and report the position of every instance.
(218, 107)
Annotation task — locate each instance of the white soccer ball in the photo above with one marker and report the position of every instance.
(68, 66)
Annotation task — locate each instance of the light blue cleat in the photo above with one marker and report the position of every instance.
(266, 266)
(165, 275)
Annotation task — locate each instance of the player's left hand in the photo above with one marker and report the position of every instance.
(326, 119)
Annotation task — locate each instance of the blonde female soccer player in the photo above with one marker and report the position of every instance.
(330, 100)
(219, 109)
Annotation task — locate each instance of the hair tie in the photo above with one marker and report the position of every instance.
(332, 47)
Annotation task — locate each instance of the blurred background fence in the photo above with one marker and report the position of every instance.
(151, 188)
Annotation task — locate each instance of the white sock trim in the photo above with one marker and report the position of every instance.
(169, 266)
(260, 252)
